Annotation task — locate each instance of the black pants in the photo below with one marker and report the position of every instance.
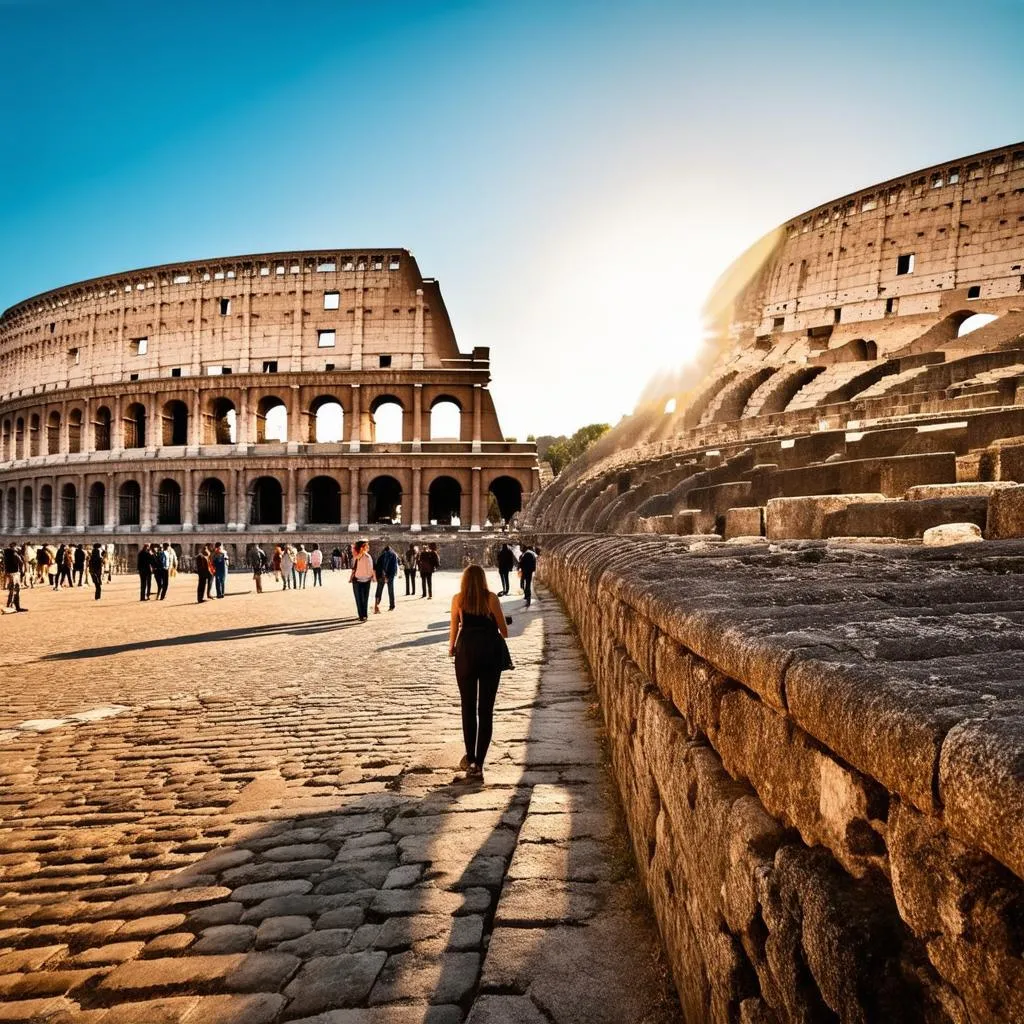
(161, 577)
(64, 574)
(478, 688)
(361, 589)
(145, 585)
(527, 587)
(380, 591)
(503, 576)
(201, 586)
(410, 582)
(428, 583)
(97, 582)
(318, 576)
(79, 573)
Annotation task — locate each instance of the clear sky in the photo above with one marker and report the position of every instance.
(576, 173)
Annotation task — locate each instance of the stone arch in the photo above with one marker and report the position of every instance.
(973, 322)
(5, 442)
(53, 433)
(97, 511)
(101, 429)
(69, 506)
(445, 419)
(27, 518)
(19, 438)
(34, 432)
(695, 410)
(730, 402)
(11, 509)
(387, 424)
(211, 502)
(174, 422)
(266, 502)
(46, 506)
(326, 420)
(135, 426)
(782, 389)
(75, 431)
(168, 503)
(384, 500)
(508, 494)
(271, 420)
(323, 500)
(221, 426)
(444, 501)
(129, 503)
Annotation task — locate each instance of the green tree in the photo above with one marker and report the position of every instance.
(562, 452)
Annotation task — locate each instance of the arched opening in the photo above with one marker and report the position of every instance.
(75, 431)
(101, 429)
(271, 420)
(266, 507)
(326, 421)
(46, 506)
(670, 407)
(19, 438)
(129, 503)
(445, 419)
(211, 502)
(175, 423)
(444, 502)
(384, 500)
(27, 519)
(168, 507)
(53, 433)
(323, 500)
(219, 426)
(97, 504)
(507, 493)
(10, 518)
(33, 435)
(135, 426)
(386, 420)
(69, 505)
(973, 322)
(5, 441)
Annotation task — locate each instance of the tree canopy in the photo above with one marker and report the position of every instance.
(563, 450)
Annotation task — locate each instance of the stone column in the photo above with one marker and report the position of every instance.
(294, 417)
(477, 416)
(417, 417)
(188, 498)
(64, 438)
(231, 510)
(245, 423)
(197, 418)
(357, 418)
(290, 512)
(417, 499)
(475, 519)
(112, 502)
(117, 427)
(353, 498)
(146, 512)
(88, 430)
(241, 508)
(154, 423)
(81, 503)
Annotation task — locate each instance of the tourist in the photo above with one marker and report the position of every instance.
(108, 562)
(47, 557)
(335, 559)
(144, 567)
(67, 567)
(14, 566)
(412, 554)
(476, 642)
(506, 563)
(80, 559)
(258, 564)
(386, 569)
(28, 574)
(361, 578)
(428, 563)
(275, 562)
(316, 563)
(301, 566)
(287, 567)
(204, 574)
(527, 567)
(220, 567)
(161, 568)
(96, 569)
(172, 559)
(56, 567)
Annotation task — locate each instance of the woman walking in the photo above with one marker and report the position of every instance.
(301, 565)
(361, 578)
(287, 568)
(204, 574)
(475, 641)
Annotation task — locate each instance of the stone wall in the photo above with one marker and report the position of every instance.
(820, 753)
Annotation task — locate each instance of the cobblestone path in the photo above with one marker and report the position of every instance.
(246, 812)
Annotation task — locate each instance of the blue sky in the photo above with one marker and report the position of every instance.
(576, 174)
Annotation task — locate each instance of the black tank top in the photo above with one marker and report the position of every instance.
(470, 621)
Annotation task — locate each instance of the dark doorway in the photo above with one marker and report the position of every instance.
(384, 500)
(211, 502)
(266, 507)
(444, 501)
(323, 500)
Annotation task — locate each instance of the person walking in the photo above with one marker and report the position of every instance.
(428, 563)
(80, 560)
(386, 569)
(220, 568)
(144, 567)
(287, 567)
(528, 566)
(162, 568)
(409, 563)
(275, 562)
(67, 567)
(335, 559)
(14, 566)
(258, 564)
(506, 563)
(361, 578)
(204, 574)
(316, 563)
(301, 565)
(476, 641)
(96, 569)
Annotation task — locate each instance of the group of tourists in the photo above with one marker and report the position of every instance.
(382, 572)
(59, 567)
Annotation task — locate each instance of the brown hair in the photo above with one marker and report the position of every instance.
(474, 591)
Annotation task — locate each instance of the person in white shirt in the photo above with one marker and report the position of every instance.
(362, 577)
(316, 563)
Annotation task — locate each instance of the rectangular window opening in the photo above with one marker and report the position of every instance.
(890, 306)
(837, 314)
(214, 371)
(385, 361)
(954, 175)
(325, 339)
(270, 366)
(225, 307)
(394, 263)
(181, 279)
(133, 376)
(332, 300)
(974, 292)
(778, 323)
(905, 263)
(139, 346)
(74, 356)
(327, 267)
(328, 367)
(176, 371)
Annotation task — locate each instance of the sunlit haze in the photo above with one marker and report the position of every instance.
(576, 175)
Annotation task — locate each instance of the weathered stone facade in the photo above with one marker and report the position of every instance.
(139, 402)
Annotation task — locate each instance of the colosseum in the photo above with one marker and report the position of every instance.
(808, 652)
(307, 392)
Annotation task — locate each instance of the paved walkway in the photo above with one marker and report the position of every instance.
(246, 812)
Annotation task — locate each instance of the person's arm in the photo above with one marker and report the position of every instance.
(498, 614)
(453, 628)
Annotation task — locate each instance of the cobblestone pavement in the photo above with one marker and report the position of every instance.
(246, 812)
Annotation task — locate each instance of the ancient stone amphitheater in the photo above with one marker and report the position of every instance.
(248, 395)
(816, 712)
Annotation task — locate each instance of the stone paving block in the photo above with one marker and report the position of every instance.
(170, 972)
(169, 942)
(173, 1010)
(342, 917)
(262, 972)
(30, 959)
(332, 982)
(273, 930)
(226, 938)
(267, 890)
(114, 953)
(543, 901)
(35, 1011)
(261, 1008)
(444, 979)
(324, 942)
(144, 927)
(52, 983)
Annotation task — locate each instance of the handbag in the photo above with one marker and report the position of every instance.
(506, 655)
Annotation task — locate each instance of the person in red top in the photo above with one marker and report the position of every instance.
(361, 578)
(204, 573)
